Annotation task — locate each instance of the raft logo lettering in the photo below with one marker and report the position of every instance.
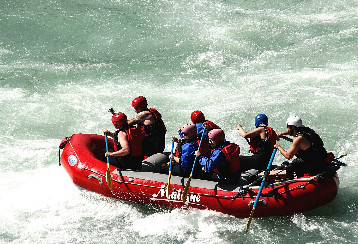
(72, 160)
(176, 195)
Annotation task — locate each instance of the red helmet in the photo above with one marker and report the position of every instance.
(189, 129)
(217, 135)
(140, 102)
(119, 119)
(197, 117)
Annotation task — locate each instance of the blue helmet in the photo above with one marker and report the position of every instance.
(261, 119)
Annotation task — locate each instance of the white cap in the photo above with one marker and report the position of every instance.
(295, 121)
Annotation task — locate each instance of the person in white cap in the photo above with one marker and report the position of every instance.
(307, 146)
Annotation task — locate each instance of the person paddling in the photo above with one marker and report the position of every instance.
(183, 158)
(203, 126)
(307, 146)
(153, 125)
(198, 118)
(222, 159)
(261, 140)
(128, 142)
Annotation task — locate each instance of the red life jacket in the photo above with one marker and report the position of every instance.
(135, 138)
(210, 125)
(205, 143)
(204, 148)
(258, 145)
(330, 157)
(231, 153)
(158, 118)
(178, 149)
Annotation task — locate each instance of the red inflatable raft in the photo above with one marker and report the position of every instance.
(80, 158)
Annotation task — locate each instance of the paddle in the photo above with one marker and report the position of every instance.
(261, 187)
(286, 138)
(339, 163)
(185, 193)
(108, 173)
(170, 170)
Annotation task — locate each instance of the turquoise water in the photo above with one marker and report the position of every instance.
(63, 64)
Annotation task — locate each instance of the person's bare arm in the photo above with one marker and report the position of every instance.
(283, 133)
(296, 145)
(110, 134)
(139, 119)
(253, 133)
(125, 150)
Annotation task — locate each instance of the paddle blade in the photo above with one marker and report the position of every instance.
(170, 169)
(109, 179)
(185, 193)
(108, 173)
(250, 218)
(168, 186)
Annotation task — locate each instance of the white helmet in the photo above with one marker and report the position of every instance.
(295, 121)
